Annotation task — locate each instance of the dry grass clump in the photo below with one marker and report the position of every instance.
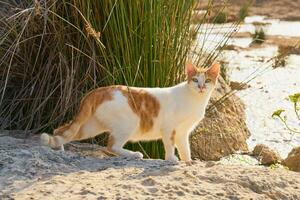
(284, 50)
(280, 60)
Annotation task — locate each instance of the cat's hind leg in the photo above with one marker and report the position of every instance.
(66, 133)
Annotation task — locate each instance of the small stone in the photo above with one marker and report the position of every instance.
(210, 164)
(153, 190)
(148, 182)
(180, 193)
(267, 155)
(293, 160)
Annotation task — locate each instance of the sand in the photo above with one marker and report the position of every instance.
(31, 171)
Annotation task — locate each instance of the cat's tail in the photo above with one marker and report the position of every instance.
(70, 131)
(52, 141)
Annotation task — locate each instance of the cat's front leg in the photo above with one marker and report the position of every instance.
(169, 145)
(183, 147)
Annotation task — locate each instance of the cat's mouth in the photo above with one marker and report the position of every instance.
(202, 89)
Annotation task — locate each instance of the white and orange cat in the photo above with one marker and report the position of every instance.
(135, 114)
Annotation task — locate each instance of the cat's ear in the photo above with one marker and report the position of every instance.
(190, 70)
(214, 71)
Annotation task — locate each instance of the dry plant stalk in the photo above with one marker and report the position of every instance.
(37, 8)
(91, 31)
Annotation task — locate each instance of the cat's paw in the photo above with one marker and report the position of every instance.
(45, 139)
(137, 155)
(62, 148)
(172, 159)
(190, 162)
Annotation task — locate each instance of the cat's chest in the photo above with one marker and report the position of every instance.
(186, 118)
(186, 113)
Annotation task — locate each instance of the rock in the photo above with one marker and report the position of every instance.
(293, 160)
(223, 131)
(267, 156)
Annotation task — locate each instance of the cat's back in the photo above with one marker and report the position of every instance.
(116, 92)
(137, 98)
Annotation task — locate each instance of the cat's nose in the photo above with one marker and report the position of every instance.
(201, 87)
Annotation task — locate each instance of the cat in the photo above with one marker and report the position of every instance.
(135, 114)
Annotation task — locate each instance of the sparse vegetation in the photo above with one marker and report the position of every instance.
(259, 36)
(295, 99)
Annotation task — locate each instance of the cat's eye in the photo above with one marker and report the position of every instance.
(207, 80)
(195, 80)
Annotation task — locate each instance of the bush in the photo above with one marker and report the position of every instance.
(259, 36)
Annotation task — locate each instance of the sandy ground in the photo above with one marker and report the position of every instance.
(30, 171)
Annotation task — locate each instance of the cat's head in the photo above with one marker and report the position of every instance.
(202, 80)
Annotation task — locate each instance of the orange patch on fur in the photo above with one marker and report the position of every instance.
(143, 104)
(190, 70)
(62, 128)
(173, 137)
(96, 97)
(213, 72)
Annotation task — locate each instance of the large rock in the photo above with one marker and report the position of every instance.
(266, 155)
(293, 160)
(223, 131)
